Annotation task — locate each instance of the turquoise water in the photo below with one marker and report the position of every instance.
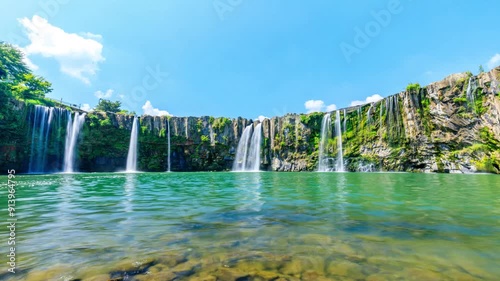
(256, 226)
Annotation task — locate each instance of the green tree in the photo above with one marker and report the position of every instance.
(108, 106)
(31, 87)
(12, 66)
(481, 69)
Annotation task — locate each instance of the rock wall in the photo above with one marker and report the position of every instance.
(447, 126)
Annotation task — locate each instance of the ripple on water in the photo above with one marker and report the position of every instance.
(261, 226)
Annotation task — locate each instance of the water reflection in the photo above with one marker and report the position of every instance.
(249, 185)
(341, 197)
(129, 188)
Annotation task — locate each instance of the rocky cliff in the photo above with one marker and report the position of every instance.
(449, 126)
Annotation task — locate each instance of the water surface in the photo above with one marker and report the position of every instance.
(257, 226)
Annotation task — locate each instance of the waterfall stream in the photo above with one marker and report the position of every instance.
(132, 149)
(73, 129)
(248, 151)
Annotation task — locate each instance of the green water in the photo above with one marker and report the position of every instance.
(297, 226)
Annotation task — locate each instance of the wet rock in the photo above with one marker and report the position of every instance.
(316, 239)
(416, 274)
(248, 266)
(172, 260)
(129, 268)
(293, 267)
(101, 277)
(266, 276)
(381, 277)
(205, 278)
(186, 269)
(56, 272)
(345, 269)
(159, 276)
(459, 276)
(231, 274)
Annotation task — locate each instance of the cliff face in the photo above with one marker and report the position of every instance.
(448, 126)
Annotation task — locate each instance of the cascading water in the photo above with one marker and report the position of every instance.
(168, 142)
(212, 135)
(345, 121)
(338, 134)
(326, 126)
(394, 124)
(242, 150)
(253, 161)
(469, 94)
(369, 114)
(248, 152)
(39, 138)
(132, 149)
(381, 112)
(73, 129)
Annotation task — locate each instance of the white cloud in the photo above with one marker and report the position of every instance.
(369, 99)
(86, 107)
(91, 35)
(108, 94)
(494, 61)
(261, 118)
(331, 107)
(314, 105)
(77, 56)
(121, 96)
(150, 110)
(318, 106)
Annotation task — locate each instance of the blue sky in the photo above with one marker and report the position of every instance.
(248, 58)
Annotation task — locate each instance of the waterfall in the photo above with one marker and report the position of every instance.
(393, 118)
(248, 152)
(40, 138)
(338, 134)
(345, 121)
(470, 95)
(253, 161)
(168, 142)
(380, 116)
(369, 114)
(212, 135)
(242, 150)
(132, 149)
(326, 126)
(72, 132)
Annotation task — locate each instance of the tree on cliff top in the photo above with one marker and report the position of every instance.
(12, 66)
(17, 78)
(108, 106)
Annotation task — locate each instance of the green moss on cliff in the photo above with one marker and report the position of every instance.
(220, 123)
(413, 88)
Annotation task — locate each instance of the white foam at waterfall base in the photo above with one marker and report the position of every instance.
(132, 149)
(73, 129)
